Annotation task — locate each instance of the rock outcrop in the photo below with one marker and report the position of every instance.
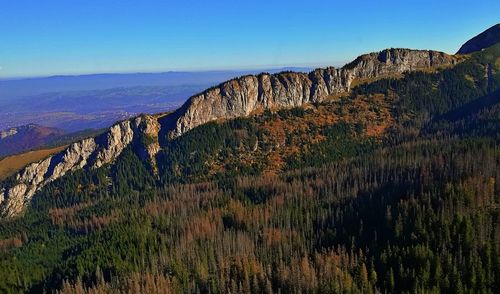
(88, 153)
(8, 133)
(242, 96)
(234, 98)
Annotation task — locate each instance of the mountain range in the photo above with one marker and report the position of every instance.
(235, 98)
(25, 87)
(379, 176)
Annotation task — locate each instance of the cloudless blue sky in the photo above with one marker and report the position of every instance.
(48, 37)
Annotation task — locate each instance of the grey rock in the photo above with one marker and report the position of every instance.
(88, 153)
(243, 96)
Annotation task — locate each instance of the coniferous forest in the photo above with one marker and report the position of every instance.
(394, 188)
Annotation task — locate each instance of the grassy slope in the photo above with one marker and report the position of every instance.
(11, 164)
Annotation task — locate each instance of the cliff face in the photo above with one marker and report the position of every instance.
(242, 96)
(235, 98)
(88, 153)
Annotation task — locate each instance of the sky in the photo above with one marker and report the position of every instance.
(60, 37)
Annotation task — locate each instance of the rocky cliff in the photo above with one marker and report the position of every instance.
(88, 153)
(27, 137)
(242, 96)
(234, 98)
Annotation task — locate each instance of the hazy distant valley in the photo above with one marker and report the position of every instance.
(75, 103)
(78, 110)
(78, 106)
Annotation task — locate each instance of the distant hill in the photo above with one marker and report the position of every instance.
(27, 137)
(32, 137)
(92, 109)
(484, 40)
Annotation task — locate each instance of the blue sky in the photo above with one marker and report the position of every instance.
(48, 37)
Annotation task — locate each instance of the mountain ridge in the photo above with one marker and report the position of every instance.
(242, 96)
(485, 39)
(235, 98)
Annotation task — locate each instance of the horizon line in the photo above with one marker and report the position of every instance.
(180, 70)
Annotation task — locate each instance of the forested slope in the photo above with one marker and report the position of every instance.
(392, 188)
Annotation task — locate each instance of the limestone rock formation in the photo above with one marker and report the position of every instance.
(242, 96)
(234, 98)
(88, 153)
